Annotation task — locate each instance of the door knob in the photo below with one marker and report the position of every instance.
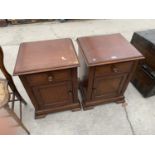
(50, 78)
(116, 70)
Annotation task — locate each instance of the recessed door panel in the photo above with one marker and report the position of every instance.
(109, 86)
(54, 95)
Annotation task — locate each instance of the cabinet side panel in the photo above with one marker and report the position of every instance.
(75, 85)
(83, 69)
(29, 91)
(130, 75)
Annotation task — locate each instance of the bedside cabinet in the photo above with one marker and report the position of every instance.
(107, 64)
(48, 71)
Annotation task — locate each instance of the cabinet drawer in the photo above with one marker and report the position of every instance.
(48, 77)
(113, 68)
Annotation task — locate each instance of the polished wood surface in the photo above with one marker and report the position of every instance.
(48, 55)
(48, 77)
(123, 67)
(109, 86)
(103, 49)
(48, 71)
(144, 77)
(108, 62)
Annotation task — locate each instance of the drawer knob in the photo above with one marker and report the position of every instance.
(50, 78)
(115, 69)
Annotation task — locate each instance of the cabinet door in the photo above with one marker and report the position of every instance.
(54, 94)
(109, 86)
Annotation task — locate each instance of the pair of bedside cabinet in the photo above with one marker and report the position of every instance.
(48, 71)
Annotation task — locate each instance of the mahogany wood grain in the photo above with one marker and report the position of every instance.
(109, 61)
(104, 49)
(48, 71)
(40, 56)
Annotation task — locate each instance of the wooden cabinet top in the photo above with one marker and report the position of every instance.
(106, 49)
(47, 55)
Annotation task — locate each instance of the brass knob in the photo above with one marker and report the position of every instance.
(50, 78)
(116, 70)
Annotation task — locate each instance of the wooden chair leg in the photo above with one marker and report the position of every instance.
(23, 126)
(20, 110)
(24, 101)
(20, 123)
(13, 101)
(20, 97)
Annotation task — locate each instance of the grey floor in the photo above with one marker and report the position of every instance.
(137, 118)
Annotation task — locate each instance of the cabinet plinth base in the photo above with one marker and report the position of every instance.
(42, 113)
(87, 105)
(88, 108)
(121, 101)
(76, 109)
(39, 116)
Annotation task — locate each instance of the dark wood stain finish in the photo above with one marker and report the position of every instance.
(144, 77)
(48, 71)
(108, 62)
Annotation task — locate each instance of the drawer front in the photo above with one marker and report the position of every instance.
(54, 95)
(48, 77)
(117, 68)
